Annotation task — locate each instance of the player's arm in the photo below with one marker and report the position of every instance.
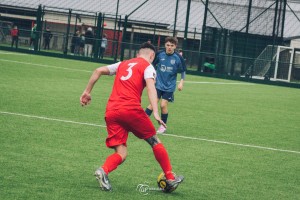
(183, 71)
(152, 95)
(180, 85)
(107, 70)
(86, 95)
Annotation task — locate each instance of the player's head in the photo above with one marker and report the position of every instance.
(170, 44)
(147, 51)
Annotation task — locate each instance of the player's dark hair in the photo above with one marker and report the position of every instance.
(146, 45)
(173, 40)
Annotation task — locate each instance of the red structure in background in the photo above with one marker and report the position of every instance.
(158, 43)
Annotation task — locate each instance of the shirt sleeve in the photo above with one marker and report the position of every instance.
(183, 75)
(183, 65)
(113, 68)
(150, 72)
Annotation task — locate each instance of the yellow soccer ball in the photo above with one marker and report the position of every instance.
(162, 183)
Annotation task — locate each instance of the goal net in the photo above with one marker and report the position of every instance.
(275, 63)
(284, 63)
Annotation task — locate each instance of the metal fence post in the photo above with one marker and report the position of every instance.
(123, 39)
(68, 32)
(203, 36)
(117, 41)
(175, 20)
(38, 28)
(186, 25)
(98, 35)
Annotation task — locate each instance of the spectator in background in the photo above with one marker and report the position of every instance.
(47, 37)
(32, 37)
(83, 28)
(180, 52)
(89, 41)
(14, 33)
(103, 45)
(209, 64)
(81, 43)
(149, 41)
(75, 43)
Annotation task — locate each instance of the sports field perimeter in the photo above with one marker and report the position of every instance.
(230, 139)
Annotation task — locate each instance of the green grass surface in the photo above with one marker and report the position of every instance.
(231, 140)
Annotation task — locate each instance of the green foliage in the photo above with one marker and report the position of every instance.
(218, 135)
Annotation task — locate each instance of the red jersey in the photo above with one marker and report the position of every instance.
(129, 83)
(14, 32)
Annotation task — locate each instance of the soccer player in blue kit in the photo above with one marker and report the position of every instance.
(167, 63)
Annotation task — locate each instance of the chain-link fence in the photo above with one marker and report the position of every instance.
(234, 38)
(241, 38)
(62, 31)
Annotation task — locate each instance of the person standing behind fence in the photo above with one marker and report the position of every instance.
(81, 44)
(89, 41)
(103, 45)
(75, 43)
(14, 36)
(32, 37)
(47, 37)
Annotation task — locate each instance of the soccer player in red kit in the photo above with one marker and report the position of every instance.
(124, 113)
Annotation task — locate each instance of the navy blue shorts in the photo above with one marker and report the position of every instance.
(169, 96)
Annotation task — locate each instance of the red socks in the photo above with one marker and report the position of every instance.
(160, 153)
(162, 158)
(112, 162)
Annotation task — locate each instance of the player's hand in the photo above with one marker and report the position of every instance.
(158, 119)
(180, 86)
(85, 99)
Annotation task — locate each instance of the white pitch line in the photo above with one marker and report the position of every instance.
(171, 135)
(56, 67)
(232, 143)
(8, 53)
(218, 83)
(48, 66)
(51, 119)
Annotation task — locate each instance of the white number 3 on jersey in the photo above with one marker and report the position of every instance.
(131, 65)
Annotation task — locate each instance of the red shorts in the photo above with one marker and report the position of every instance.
(120, 122)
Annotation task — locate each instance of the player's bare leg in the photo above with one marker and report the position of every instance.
(164, 116)
(149, 109)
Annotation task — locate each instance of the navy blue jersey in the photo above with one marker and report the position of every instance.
(167, 66)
